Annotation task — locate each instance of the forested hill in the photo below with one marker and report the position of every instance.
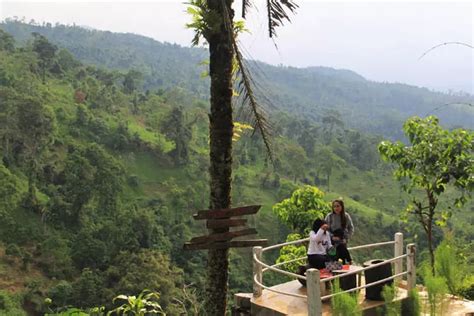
(369, 106)
(163, 65)
(99, 181)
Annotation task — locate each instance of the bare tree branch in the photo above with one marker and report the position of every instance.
(443, 44)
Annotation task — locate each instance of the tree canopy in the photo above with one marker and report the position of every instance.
(436, 158)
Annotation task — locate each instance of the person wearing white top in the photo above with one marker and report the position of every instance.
(319, 243)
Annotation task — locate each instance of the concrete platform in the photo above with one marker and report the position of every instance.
(273, 304)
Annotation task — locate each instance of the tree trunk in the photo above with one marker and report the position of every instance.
(43, 67)
(430, 246)
(220, 130)
(432, 206)
(327, 180)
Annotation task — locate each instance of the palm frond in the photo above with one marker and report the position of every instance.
(246, 4)
(260, 85)
(245, 90)
(277, 12)
(257, 113)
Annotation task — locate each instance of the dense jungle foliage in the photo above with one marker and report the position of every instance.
(104, 146)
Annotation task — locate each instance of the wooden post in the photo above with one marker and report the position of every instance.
(411, 267)
(398, 251)
(257, 272)
(315, 306)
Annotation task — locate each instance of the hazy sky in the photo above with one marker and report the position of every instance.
(380, 40)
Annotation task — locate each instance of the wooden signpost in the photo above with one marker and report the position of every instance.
(221, 220)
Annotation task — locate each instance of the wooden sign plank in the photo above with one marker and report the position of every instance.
(223, 236)
(248, 243)
(228, 244)
(222, 223)
(227, 212)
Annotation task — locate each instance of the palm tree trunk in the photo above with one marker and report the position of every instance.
(220, 130)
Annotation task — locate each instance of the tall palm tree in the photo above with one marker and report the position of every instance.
(214, 20)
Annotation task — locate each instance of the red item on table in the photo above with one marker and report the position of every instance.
(324, 273)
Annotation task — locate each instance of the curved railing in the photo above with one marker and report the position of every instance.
(313, 280)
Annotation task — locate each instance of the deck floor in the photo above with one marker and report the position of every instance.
(274, 303)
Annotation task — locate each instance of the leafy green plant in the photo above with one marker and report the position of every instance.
(437, 290)
(344, 304)
(61, 293)
(188, 300)
(292, 252)
(392, 307)
(73, 312)
(448, 266)
(146, 303)
(10, 304)
(412, 306)
(436, 158)
(302, 208)
(298, 212)
(467, 288)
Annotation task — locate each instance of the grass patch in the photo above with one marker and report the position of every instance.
(153, 138)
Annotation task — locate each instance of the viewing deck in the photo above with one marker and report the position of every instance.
(292, 298)
(272, 303)
(314, 299)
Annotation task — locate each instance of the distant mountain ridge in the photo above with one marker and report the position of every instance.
(337, 73)
(374, 107)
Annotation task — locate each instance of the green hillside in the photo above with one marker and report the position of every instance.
(100, 176)
(379, 108)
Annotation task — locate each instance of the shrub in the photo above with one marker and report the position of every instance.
(466, 290)
(13, 250)
(10, 304)
(355, 197)
(411, 307)
(392, 307)
(292, 252)
(133, 181)
(87, 289)
(147, 303)
(448, 266)
(437, 290)
(61, 293)
(344, 304)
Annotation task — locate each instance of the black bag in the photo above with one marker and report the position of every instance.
(301, 270)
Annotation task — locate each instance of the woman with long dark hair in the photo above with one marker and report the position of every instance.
(341, 229)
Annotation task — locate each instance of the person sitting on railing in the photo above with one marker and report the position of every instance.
(319, 243)
(340, 221)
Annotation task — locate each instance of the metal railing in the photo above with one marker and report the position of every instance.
(314, 282)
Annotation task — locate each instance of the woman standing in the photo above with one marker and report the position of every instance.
(341, 229)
